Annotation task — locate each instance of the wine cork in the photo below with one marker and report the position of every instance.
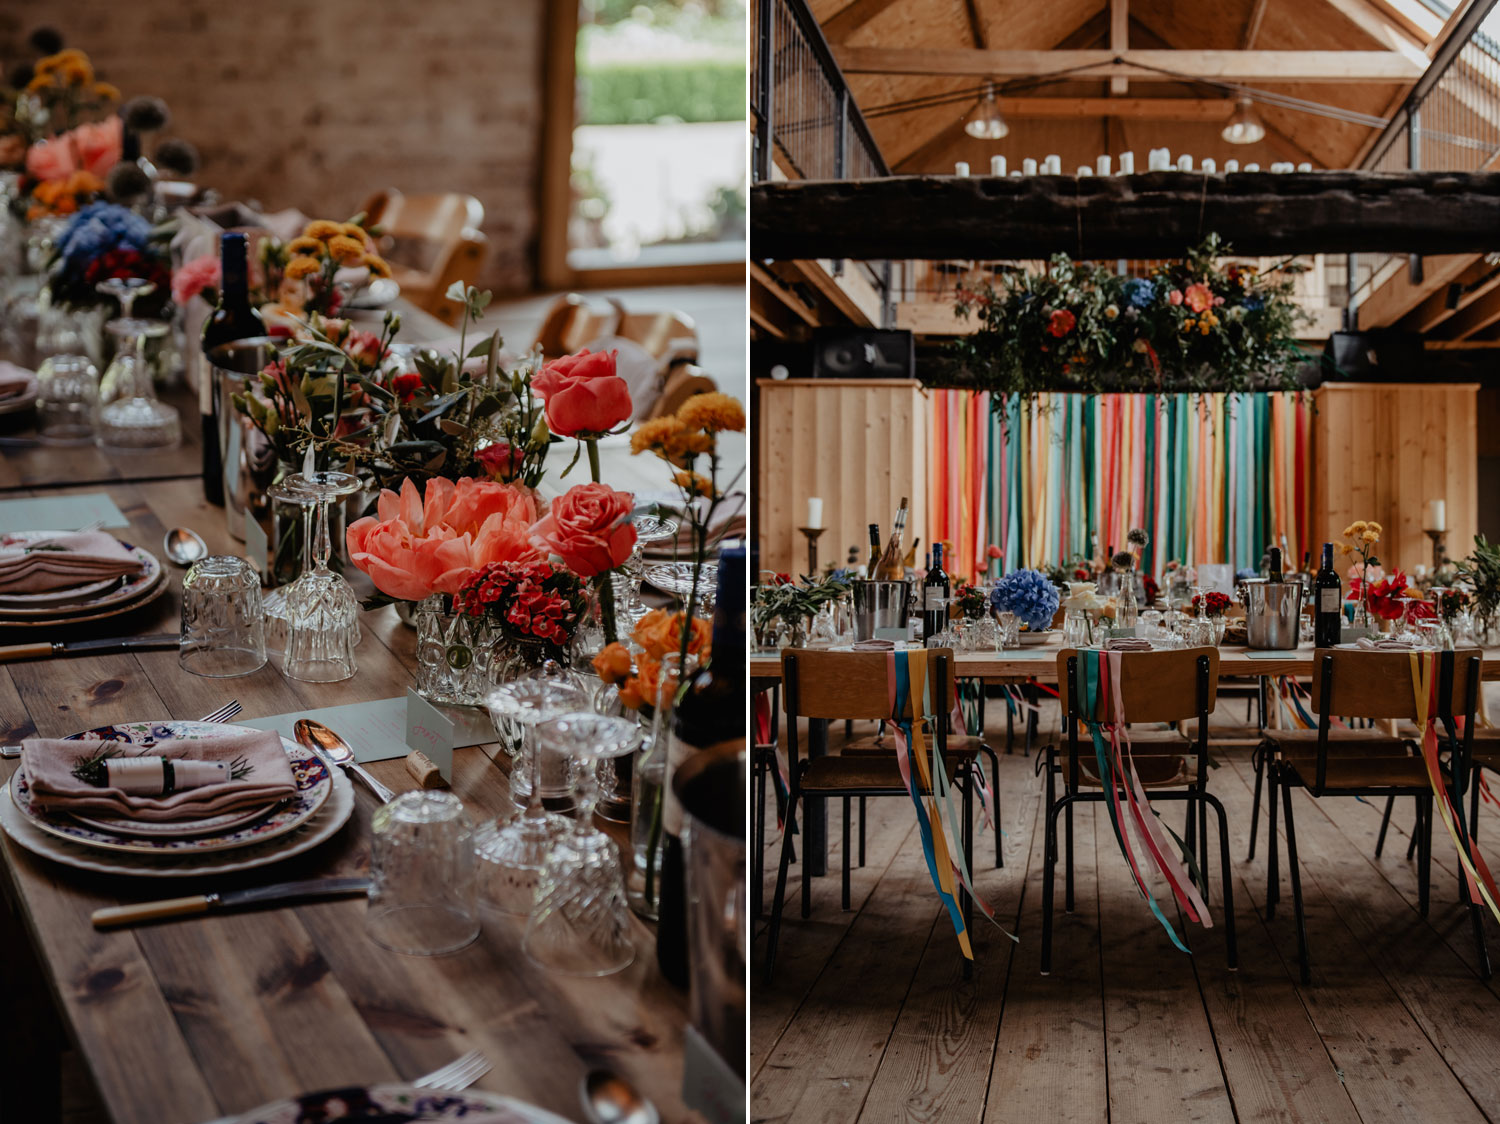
(423, 771)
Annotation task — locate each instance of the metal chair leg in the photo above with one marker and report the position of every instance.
(861, 831)
(1049, 876)
(1385, 822)
(995, 804)
(758, 845)
(807, 864)
(968, 898)
(1231, 948)
(776, 901)
(844, 884)
(1068, 860)
(1273, 841)
(1416, 831)
(1424, 857)
(1291, 862)
(1259, 757)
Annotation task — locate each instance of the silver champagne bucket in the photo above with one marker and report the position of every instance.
(1273, 613)
(879, 605)
(249, 459)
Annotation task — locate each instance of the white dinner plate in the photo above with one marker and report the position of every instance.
(396, 1104)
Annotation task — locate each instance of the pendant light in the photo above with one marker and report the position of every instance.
(985, 123)
(1244, 125)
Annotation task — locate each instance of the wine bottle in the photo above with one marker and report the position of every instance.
(934, 597)
(891, 567)
(1329, 594)
(234, 318)
(872, 571)
(710, 713)
(1275, 574)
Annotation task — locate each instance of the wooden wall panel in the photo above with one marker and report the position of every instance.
(859, 444)
(1382, 452)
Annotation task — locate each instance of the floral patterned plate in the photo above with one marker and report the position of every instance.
(311, 774)
(397, 1104)
(112, 593)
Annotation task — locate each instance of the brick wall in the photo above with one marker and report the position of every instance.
(317, 105)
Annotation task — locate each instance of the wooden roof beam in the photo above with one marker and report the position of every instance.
(1473, 283)
(1119, 41)
(1145, 65)
(851, 18)
(1475, 318)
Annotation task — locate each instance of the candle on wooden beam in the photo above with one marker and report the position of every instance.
(1231, 165)
(1053, 166)
(961, 168)
(1184, 163)
(1209, 166)
(1127, 163)
(997, 165)
(1028, 167)
(1101, 165)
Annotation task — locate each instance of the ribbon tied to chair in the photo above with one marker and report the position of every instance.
(1099, 674)
(1432, 681)
(926, 779)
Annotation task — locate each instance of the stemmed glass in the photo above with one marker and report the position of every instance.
(1410, 632)
(512, 853)
(580, 922)
(322, 617)
(677, 578)
(648, 529)
(131, 417)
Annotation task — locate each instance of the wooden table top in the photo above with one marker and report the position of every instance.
(1041, 663)
(184, 1022)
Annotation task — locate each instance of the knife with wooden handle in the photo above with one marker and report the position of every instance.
(108, 646)
(112, 917)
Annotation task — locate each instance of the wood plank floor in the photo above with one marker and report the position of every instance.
(869, 1018)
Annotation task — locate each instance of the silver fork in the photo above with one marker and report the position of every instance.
(457, 1074)
(223, 714)
(87, 527)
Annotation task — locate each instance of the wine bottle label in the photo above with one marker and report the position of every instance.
(1328, 599)
(934, 600)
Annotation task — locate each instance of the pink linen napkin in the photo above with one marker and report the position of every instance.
(1128, 644)
(1369, 644)
(49, 766)
(65, 559)
(15, 381)
(874, 646)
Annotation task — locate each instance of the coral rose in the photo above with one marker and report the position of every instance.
(589, 528)
(94, 148)
(613, 663)
(1198, 297)
(418, 545)
(583, 395)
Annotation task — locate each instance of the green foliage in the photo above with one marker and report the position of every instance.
(619, 93)
(1482, 570)
(789, 601)
(1195, 325)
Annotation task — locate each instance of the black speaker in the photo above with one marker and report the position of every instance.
(1384, 355)
(863, 353)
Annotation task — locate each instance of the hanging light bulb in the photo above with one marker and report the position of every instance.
(985, 122)
(1244, 125)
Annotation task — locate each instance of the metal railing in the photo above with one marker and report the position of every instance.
(1450, 122)
(804, 120)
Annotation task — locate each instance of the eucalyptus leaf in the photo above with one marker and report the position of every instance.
(456, 429)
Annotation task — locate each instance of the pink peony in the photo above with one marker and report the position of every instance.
(1199, 297)
(418, 545)
(195, 276)
(93, 148)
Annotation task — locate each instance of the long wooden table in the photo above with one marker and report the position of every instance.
(186, 1021)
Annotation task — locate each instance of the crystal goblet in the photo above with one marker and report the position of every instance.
(511, 854)
(322, 616)
(135, 419)
(629, 607)
(580, 922)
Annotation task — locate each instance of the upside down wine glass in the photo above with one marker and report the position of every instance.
(580, 921)
(322, 617)
(511, 854)
(131, 417)
(648, 529)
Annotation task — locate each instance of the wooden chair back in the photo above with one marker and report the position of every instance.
(438, 218)
(1360, 684)
(1154, 686)
(845, 685)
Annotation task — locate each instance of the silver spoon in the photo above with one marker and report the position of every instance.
(609, 1099)
(320, 739)
(183, 546)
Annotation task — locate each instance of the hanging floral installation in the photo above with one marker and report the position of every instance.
(1202, 324)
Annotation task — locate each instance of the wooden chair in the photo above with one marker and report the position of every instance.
(763, 767)
(1170, 687)
(853, 685)
(1356, 763)
(430, 242)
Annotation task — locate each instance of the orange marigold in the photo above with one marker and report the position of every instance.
(348, 251)
(305, 245)
(301, 267)
(377, 266)
(659, 435)
(694, 482)
(322, 229)
(712, 412)
(106, 91)
(353, 230)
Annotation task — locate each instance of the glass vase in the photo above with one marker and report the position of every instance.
(458, 657)
(651, 772)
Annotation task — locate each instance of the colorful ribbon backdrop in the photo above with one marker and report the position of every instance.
(1212, 477)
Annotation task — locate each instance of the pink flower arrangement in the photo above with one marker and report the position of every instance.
(589, 528)
(94, 148)
(584, 396)
(195, 276)
(417, 545)
(1198, 297)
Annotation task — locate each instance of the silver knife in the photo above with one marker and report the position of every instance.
(114, 916)
(47, 648)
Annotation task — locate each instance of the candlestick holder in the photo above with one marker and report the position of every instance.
(1439, 550)
(812, 534)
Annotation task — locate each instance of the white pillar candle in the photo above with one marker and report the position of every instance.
(1028, 167)
(997, 165)
(1127, 163)
(1231, 165)
(1208, 165)
(1160, 160)
(1184, 163)
(1084, 170)
(1101, 164)
(1015, 173)
(1304, 167)
(1053, 166)
(1252, 167)
(814, 512)
(1437, 516)
(961, 169)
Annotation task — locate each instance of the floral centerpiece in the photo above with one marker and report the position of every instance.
(102, 241)
(1029, 595)
(1481, 569)
(1453, 603)
(793, 605)
(299, 276)
(1212, 605)
(531, 603)
(1199, 324)
(968, 602)
(1359, 540)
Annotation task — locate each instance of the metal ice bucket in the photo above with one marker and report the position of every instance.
(879, 605)
(249, 459)
(1273, 613)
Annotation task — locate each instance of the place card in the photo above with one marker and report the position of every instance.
(1273, 654)
(257, 546)
(376, 731)
(438, 730)
(709, 1085)
(60, 513)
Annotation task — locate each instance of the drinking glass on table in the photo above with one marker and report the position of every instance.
(223, 629)
(322, 616)
(136, 419)
(422, 875)
(67, 400)
(580, 921)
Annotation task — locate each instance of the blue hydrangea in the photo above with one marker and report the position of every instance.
(98, 228)
(1029, 595)
(1254, 304)
(1139, 292)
